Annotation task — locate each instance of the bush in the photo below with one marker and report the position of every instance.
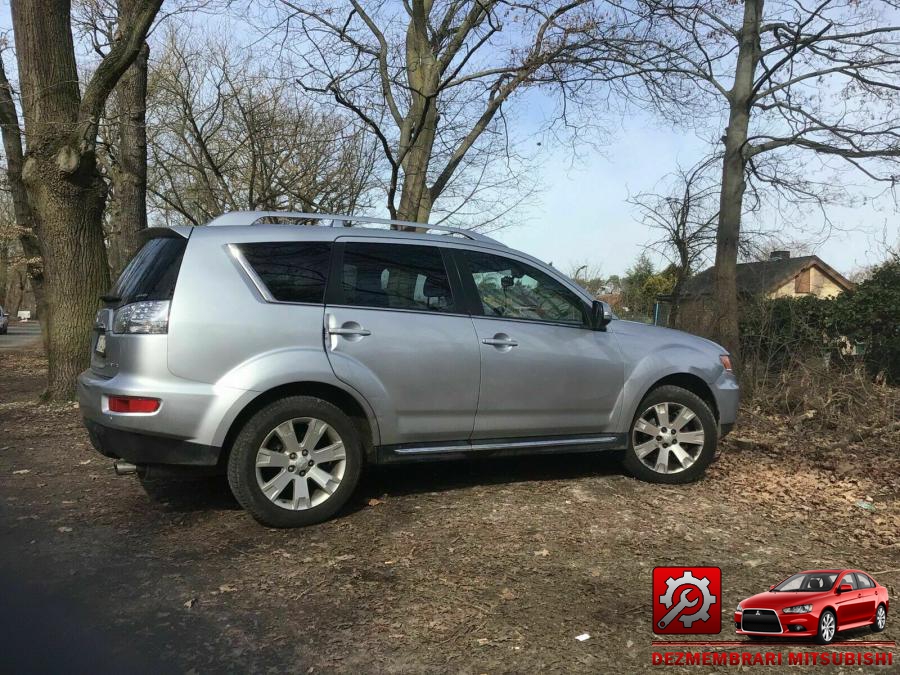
(861, 325)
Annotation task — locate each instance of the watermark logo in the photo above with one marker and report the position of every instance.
(687, 600)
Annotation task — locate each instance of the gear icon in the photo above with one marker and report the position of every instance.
(701, 584)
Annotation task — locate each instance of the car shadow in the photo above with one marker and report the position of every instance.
(213, 494)
(444, 476)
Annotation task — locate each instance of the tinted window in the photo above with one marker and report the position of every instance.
(863, 581)
(292, 271)
(152, 272)
(395, 276)
(515, 290)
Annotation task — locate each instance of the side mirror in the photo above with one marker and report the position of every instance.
(601, 314)
(845, 588)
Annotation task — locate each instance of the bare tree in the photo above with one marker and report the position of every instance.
(794, 81)
(65, 191)
(226, 135)
(24, 218)
(685, 213)
(431, 80)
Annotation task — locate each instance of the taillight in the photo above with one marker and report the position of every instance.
(146, 317)
(133, 404)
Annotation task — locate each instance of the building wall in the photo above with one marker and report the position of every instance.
(815, 280)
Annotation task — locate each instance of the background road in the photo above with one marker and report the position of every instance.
(20, 335)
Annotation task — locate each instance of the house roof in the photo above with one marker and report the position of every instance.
(764, 277)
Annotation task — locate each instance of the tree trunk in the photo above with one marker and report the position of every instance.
(420, 128)
(731, 199)
(129, 216)
(69, 211)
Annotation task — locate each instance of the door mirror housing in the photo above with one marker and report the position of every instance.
(845, 588)
(601, 314)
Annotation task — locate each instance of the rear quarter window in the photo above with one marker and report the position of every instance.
(152, 272)
(291, 271)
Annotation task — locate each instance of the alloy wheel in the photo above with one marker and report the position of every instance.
(827, 627)
(668, 437)
(881, 618)
(300, 463)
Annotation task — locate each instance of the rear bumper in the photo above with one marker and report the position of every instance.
(189, 428)
(149, 449)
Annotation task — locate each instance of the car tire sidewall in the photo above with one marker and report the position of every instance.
(819, 638)
(242, 461)
(875, 628)
(674, 394)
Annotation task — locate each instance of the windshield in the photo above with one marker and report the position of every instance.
(810, 582)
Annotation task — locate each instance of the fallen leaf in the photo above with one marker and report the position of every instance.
(190, 603)
(375, 502)
(63, 529)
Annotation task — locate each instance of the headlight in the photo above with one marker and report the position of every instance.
(739, 609)
(797, 609)
(149, 316)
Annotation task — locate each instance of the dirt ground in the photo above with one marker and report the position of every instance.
(479, 567)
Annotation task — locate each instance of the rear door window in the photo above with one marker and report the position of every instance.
(395, 276)
(291, 271)
(152, 272)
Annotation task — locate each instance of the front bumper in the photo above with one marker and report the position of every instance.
(792, 625)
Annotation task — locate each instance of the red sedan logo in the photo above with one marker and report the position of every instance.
(815, 603)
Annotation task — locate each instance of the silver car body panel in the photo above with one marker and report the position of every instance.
(420, 377)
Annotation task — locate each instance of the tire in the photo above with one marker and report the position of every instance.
(827, 628)
(647, 445)
(880, 622)
(268, 433)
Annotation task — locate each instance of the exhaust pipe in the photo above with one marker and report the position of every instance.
(124, 468)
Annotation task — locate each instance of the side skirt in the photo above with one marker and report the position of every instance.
(499, 447)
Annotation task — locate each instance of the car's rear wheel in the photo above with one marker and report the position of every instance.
(673, 437)
(295, 462)
(880, 619)
(827, 628)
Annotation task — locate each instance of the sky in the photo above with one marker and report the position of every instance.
(580, 214)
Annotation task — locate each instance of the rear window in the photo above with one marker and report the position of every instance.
(152, 272)
(292, 271)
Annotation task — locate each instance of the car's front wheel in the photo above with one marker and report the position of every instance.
(827, 628)
(295, 462)
(880, 619)
(673, 437)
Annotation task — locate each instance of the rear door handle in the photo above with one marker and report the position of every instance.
(362, 332)
(500, 340)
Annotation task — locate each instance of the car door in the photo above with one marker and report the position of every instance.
(544, 371)
(868, 597)
(848, 601)
(397, 332)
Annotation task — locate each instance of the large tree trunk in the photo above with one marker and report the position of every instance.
(731, 199)
(130, 173)
(69, 210)
(418, 133)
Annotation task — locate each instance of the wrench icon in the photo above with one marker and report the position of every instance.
(676, 610)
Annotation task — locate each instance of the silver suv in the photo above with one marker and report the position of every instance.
(289, 356)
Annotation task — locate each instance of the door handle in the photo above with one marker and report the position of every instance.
(500, 340)
(362, 332)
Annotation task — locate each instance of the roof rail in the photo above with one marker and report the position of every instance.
(253, 218)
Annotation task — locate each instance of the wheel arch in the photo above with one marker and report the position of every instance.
(692, 383)
(347, 402)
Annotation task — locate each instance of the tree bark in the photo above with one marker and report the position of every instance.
(64, 187)
(420, 126)
(129, 177)
(734, 164)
